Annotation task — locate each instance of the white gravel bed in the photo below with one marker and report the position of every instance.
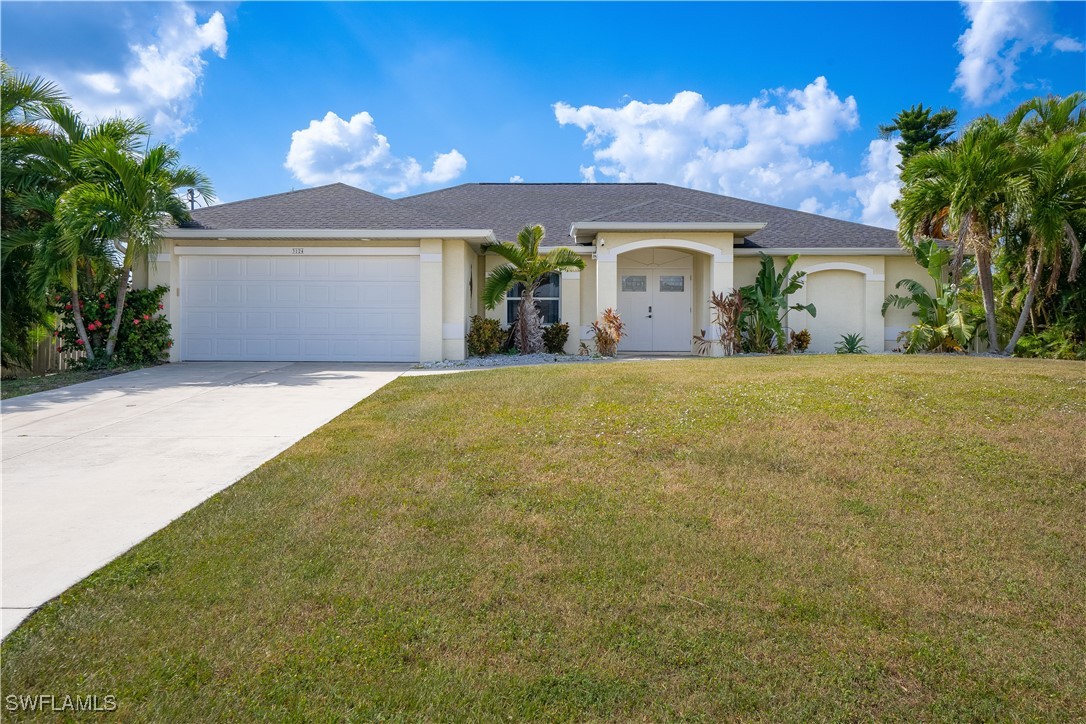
(508, 360)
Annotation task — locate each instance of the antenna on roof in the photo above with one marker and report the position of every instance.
(192, 199)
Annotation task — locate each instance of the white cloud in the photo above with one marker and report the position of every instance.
(516, 179)
(763, 150)
(999, 33)
(880, 185)
(333, 150)
(160, 77)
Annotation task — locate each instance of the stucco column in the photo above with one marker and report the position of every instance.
(606, 282)
(431, 300)
(454, 271)
(570, 308)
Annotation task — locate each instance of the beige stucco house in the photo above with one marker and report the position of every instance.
(337, 274)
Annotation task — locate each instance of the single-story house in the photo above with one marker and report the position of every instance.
(336, 273)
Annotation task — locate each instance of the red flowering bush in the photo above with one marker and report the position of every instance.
(144, 336)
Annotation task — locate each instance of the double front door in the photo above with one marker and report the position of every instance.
(655, 305)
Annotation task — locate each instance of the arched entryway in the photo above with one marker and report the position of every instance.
(655, 299)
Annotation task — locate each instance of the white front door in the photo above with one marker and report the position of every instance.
(655, 305)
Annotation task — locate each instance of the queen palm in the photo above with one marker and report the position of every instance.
(963, 192)
(129, 197)
(528, 268)
(1050, 132)
(63, 256)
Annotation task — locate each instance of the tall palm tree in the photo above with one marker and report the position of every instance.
(64, 257)
(526, 267)
(129, 197)
(963, 192)
(1052, 132)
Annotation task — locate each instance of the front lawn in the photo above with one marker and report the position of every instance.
(771, 538)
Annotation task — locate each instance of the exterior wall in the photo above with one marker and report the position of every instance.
(851, 292)
(898, 320)
(458, 299)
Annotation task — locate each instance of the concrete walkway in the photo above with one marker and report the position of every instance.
(92, 469)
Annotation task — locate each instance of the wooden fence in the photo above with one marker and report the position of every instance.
(46, 359)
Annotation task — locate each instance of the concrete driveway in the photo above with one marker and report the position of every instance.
(92, 469)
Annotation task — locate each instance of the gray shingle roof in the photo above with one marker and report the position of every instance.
(336, 206)
(506, 208)
(657, 211)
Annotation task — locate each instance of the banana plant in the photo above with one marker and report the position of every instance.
(942, 324)
(765, 305)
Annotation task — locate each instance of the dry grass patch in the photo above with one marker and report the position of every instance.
(772, 538)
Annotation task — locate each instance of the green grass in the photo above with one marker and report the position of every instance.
(17, 387)
(761, 538)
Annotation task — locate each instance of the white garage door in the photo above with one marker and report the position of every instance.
(300, 308)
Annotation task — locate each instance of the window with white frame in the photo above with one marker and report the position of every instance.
(546, 300)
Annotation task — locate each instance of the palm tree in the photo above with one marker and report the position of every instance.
(129, 197)
(1052, 134)
(64, 257)
(528, 268)
(964, 191)
(22, 314)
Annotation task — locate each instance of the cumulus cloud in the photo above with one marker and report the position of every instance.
(880, 184)
(333, 150)
(763, 150)
(160, 77)
(999, 33)
(518, 179)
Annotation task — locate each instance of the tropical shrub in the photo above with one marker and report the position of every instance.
(144, 335)
(943, 324)
(765, 305)
(608, 334)
(485, 336)
(727, 309)
(1056, 341)
(555, 337)
(801, 340)
(850, 344)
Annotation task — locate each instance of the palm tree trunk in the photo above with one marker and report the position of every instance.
(987, 292)
(529, 326)
(118, 315)
(1027, 306)
(976, 235)
(79, 327)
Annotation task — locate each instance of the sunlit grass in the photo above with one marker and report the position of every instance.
(775, 538)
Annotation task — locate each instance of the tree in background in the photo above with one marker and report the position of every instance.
(920, 130)
(965, 191)
(129, 198)
(1051, 133)
(23, 315)
(81, 206)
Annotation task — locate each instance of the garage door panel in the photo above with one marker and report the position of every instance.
(287, 321)
(258, 321)
(321, 295)
(308, 308)
(288, 293)
(258, 295)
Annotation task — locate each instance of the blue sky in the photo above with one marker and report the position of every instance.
(777, 102)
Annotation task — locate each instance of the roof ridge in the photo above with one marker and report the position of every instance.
(292, 191)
